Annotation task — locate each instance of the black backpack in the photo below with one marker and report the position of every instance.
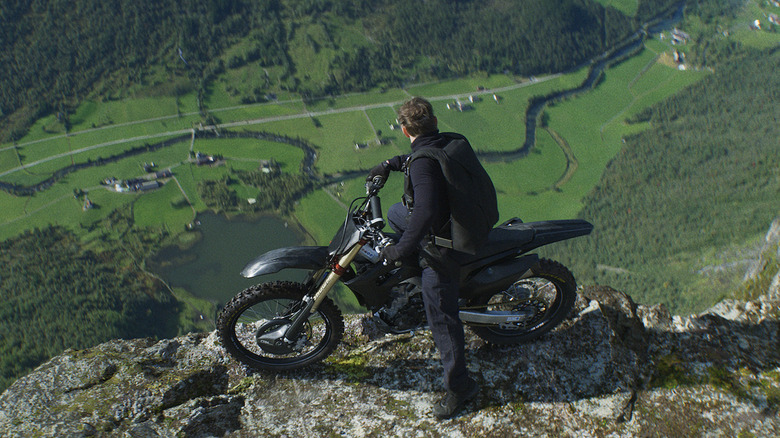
(471, 195)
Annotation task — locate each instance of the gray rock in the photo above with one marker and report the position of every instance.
(774, 286)
(613, 368)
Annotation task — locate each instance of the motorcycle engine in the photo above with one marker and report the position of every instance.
(405, 311)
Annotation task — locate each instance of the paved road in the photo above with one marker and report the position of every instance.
(97, 146)
(262, 120)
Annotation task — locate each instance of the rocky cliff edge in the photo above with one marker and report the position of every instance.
(612, 369)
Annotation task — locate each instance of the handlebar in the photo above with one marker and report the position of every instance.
(376, 184)
(372, 204)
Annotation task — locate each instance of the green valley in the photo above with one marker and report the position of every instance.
(280, 108)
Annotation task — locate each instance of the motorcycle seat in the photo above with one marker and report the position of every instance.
(507, 237)
(514, 237)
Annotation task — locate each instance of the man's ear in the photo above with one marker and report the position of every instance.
(406, 133)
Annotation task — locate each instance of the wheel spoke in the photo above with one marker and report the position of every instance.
(539, 294)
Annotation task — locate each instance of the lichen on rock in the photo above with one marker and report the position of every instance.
(612, 368)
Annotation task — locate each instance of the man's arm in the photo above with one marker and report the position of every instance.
(383, 169)
(396, 163)
(430, 201)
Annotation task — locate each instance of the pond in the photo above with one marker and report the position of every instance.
(211, 267)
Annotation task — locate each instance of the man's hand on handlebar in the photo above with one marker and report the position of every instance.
(390, 254)
(382, 169)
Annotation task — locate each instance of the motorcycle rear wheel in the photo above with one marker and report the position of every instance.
(260, 309)
(550, 292)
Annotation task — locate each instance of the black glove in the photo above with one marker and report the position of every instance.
(390, 254)
(382, 169)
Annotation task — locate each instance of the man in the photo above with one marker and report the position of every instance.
(426, 212)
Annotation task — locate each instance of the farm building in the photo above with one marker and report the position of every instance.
(148, 185)
(269, 166)
(679, 37)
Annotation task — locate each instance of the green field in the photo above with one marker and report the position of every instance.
(533, 187)
(628, 7)
(252, 151)
(769, 33)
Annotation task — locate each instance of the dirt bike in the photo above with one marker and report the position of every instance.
(507, 296)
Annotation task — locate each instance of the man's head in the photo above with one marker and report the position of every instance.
(416, 117)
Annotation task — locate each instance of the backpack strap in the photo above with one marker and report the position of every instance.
(442, 242)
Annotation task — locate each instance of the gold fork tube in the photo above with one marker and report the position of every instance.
(334, 275)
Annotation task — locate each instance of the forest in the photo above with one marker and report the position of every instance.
(275, 192)
(57, 53)
(56, 294)
(527, 38)
(704, 178)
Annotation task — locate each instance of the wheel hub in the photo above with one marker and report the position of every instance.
(270, 337)
(533, 309)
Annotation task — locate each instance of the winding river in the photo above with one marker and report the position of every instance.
(628, 48)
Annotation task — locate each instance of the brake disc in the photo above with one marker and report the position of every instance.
(270, 337)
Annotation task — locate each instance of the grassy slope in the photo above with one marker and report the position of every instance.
(768, 37)
(628, 7)
(592, 126)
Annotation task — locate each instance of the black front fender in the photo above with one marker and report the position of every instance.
(296, 257)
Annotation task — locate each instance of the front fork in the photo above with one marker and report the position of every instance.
(312, 303)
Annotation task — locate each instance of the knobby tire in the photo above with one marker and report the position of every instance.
(239, 309)
(558, 308)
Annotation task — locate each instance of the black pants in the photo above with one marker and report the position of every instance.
(440, 295)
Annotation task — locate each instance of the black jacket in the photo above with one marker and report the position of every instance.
(431, 210)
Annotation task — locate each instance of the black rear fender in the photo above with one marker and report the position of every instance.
(547, 232)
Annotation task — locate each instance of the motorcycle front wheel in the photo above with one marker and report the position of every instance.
(252, 323)
(544, 299)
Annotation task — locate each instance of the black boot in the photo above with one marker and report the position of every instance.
(453, 402)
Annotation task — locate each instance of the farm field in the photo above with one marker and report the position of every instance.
(768, 35)
(628, 7)
(349, 133)
(594, 124)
